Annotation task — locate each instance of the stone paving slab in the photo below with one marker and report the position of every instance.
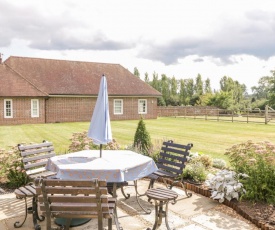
(219, 221)
(195, 213)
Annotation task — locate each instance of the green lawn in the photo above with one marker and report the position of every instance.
(209, 137)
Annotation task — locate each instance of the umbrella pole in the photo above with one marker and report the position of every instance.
(100, 150)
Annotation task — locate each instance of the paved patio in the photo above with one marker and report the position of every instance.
(195, 213)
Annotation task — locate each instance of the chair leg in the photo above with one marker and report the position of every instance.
(147, 211)
(151, 184)
(110, 222)
(166, 216)
(35, 216)
(17, 223)
(188, 194)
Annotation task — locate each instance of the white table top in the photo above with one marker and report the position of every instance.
(114, 166)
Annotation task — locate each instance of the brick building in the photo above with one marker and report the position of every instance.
(35, 90)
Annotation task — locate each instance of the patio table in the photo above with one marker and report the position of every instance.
(114, 165)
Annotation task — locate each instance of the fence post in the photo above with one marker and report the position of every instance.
(266, 114)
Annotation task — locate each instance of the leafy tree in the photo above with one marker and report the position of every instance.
(174, 96)
(264, 93)
(190, 88)
(263, 88)
(235, 89)
(161, 102)
(195, 100)
(146, 78)
(174, 87)
(155, 83)
(142, 139)
(183, 93)
(199, 85)
(165, 87)
(221, 99)
(271, 95)
(226, 84)
(207, 86)
(136, 72)
(205, 99)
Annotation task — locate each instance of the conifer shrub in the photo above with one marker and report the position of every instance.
(142, 139)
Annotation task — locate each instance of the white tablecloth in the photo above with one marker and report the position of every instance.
(114, 166)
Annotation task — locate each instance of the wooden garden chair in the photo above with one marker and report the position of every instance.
(75, 199)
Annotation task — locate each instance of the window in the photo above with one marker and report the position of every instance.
(34, 108)
(8, 108)
(142, 106)
(118, 106)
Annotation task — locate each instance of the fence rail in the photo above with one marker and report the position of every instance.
(209, 113)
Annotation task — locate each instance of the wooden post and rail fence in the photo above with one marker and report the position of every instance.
(266, 116)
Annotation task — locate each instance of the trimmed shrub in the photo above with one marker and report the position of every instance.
(142, 139)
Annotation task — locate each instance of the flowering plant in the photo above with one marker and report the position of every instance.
(258, 161)
(12, 171)
(80, 141)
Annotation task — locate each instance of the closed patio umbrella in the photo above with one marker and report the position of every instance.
(100, 127)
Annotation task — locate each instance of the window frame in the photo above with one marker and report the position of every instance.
(121, 111)
(32, 108)
(144, 107)
(5, 108)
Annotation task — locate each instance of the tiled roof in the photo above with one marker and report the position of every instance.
(62, 77)
(12, 84)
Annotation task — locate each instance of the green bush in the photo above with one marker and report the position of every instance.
(219, 163)
(142, 139)
(257, 160)
(195, 171)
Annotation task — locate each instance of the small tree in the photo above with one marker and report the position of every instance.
(142, 139)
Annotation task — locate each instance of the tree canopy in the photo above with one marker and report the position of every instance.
(196, 91)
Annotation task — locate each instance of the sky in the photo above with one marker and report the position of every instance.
(180, 38)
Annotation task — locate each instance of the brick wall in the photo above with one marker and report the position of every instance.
(69, 109)
(22, 111)
(73, 109)
(130, 109)
(164, 111)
